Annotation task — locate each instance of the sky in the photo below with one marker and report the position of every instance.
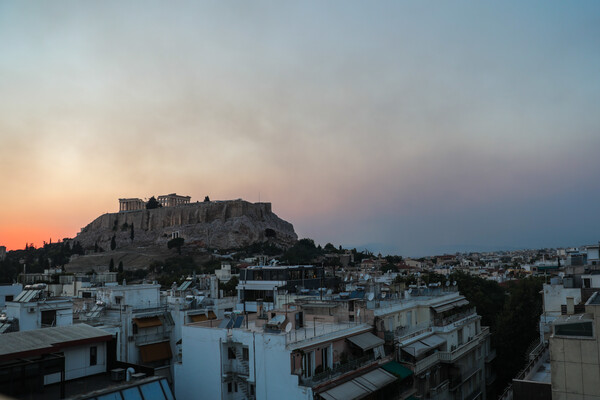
(411, 128)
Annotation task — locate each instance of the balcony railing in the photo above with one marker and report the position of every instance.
(338, 371)
(452, 356)
(426, 363)
(473, 395)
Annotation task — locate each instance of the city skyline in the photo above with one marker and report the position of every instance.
(399, 127)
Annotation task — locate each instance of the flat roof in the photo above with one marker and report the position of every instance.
(48, 340)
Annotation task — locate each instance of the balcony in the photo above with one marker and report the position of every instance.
(426, 363)
(452, 356)
(463, 375)
(340, 370)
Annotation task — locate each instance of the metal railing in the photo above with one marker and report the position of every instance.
(426, 363)
(338, 371)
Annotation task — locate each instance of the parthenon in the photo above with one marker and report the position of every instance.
(173, 199)
(167, 200)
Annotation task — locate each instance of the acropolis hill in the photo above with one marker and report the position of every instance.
(210, 224)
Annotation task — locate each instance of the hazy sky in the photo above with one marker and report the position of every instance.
(412, 128)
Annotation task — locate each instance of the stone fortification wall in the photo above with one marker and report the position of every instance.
(217, 224)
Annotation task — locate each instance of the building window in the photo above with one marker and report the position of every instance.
(251, 390)
(230, 353)
(9, 298)
(351, 318)
(229, 387)
(245, 354)
(49, 318)
(235, 387)
(93, 355)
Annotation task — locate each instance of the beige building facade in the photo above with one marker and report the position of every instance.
(575, 354)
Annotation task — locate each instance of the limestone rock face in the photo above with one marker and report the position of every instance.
(215, 224)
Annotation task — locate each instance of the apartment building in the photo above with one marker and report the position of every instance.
(286, 355)
(439, 337)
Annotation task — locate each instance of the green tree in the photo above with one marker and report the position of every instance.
(132, 234)
(176, 243)
(120, 267)
(229, 287)
(153, 203)
(206, 199)
(111, 265)
(113, 243)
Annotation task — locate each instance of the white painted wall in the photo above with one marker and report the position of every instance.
(9, 290)
(269, 364)
(77, 363)
(555, 295)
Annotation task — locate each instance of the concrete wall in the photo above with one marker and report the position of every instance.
(555, 295)
(9, 290)
(269, 365)
(77, 363)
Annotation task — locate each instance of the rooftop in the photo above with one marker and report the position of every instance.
(48, 340)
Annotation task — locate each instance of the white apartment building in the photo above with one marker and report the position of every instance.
(34, 309)
(439, 336)
(282, 357)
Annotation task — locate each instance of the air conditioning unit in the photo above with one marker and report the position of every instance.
(31, 310)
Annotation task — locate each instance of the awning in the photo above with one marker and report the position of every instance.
(147, 322)
(416, 349)
(198, 318)
(155, 352)
(440, 308)
(211, 315)
(366, 341)
(360, 387)
(397, 369)
(433, 341)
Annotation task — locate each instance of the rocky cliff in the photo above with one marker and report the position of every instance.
(215, 224)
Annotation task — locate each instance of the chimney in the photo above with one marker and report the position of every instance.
(570, 306)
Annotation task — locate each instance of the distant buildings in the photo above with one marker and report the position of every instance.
(2, 253)
(168, 200)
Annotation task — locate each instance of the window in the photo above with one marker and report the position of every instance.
(245, 354)
(235, 387)
(93, 355)
(351, 318)
(251, 390)
(49, 318)
(229, 387)
(9, 298)
(117, 299)
(583, 328)
(230, 353)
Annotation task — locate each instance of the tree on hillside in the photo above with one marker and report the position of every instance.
(303, 252)
(206, 199)
(153, 203)
(113, 243)
(132, 234)
(111, 265)
(176, 243)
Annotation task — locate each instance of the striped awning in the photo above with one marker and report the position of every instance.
(147, 322)
(155, 352)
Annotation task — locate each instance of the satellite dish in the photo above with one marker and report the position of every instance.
(371, 296)
(410, 290)
(288, 327)
(439, 284)
(447, 283)
(345, 279)
(383, 295)
(454, 283)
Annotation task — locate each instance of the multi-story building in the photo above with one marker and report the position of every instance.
(575, 353)
(289, 355)
(259, 286)
(439, 337)
(33, 309)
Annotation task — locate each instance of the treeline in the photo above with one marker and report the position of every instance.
(35, 260)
